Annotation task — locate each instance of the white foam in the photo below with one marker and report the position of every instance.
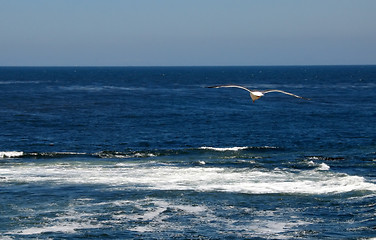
(223, 149)
(11, 154)
(38, 230)
(141, 155)
(320, 167)
(273, 228)
(124, 155)
(153, 212)
(311, 163)
(68, 224)
(55, 153)
(197, 178)
(323, 167)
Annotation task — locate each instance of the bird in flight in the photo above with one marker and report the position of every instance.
(257, 94)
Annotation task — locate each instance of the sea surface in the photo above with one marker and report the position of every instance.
(152, 153)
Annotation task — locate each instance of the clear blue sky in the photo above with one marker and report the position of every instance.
(187, 33)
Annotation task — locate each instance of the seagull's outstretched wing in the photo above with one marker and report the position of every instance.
(258, 94)
(276, 90)
(231, 86)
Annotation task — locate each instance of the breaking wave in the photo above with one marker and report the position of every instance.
(11, 154)
(133, 153)
(203, 169)
(222, 149)
(152, 175)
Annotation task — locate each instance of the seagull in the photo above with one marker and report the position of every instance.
(257, 94)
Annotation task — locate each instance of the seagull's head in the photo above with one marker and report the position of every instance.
(256, 95)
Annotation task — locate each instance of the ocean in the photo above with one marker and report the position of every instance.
(152, 153)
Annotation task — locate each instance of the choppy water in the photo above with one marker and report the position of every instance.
(150, 153)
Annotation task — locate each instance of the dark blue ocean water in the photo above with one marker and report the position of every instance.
(151, 153)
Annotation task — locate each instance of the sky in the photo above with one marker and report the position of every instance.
(187, 33)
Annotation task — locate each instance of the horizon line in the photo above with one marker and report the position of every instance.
(181, 66)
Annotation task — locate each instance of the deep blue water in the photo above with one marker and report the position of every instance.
(151, 153)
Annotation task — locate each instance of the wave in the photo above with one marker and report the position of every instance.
(204, 169)
(102, 154)
(18, 154)
(319, 166)
(19, 82)
(200, 178)
(54, 154)
(11, 154)
(325, 158)
(223, 149)
(95, 88)
(134, 153)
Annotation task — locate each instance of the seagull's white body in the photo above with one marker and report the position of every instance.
(257, 94)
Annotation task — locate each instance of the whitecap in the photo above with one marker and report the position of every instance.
(323, 167)
(109, 154)
(223, 149)
(142, 155)
(11, 154)
(320, 167)
(53, 154)
(311, 163)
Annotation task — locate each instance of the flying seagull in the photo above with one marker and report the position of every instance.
(257, 94)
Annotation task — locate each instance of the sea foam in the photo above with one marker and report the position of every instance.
(223, 149)
(11, 154)
(197, 178)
